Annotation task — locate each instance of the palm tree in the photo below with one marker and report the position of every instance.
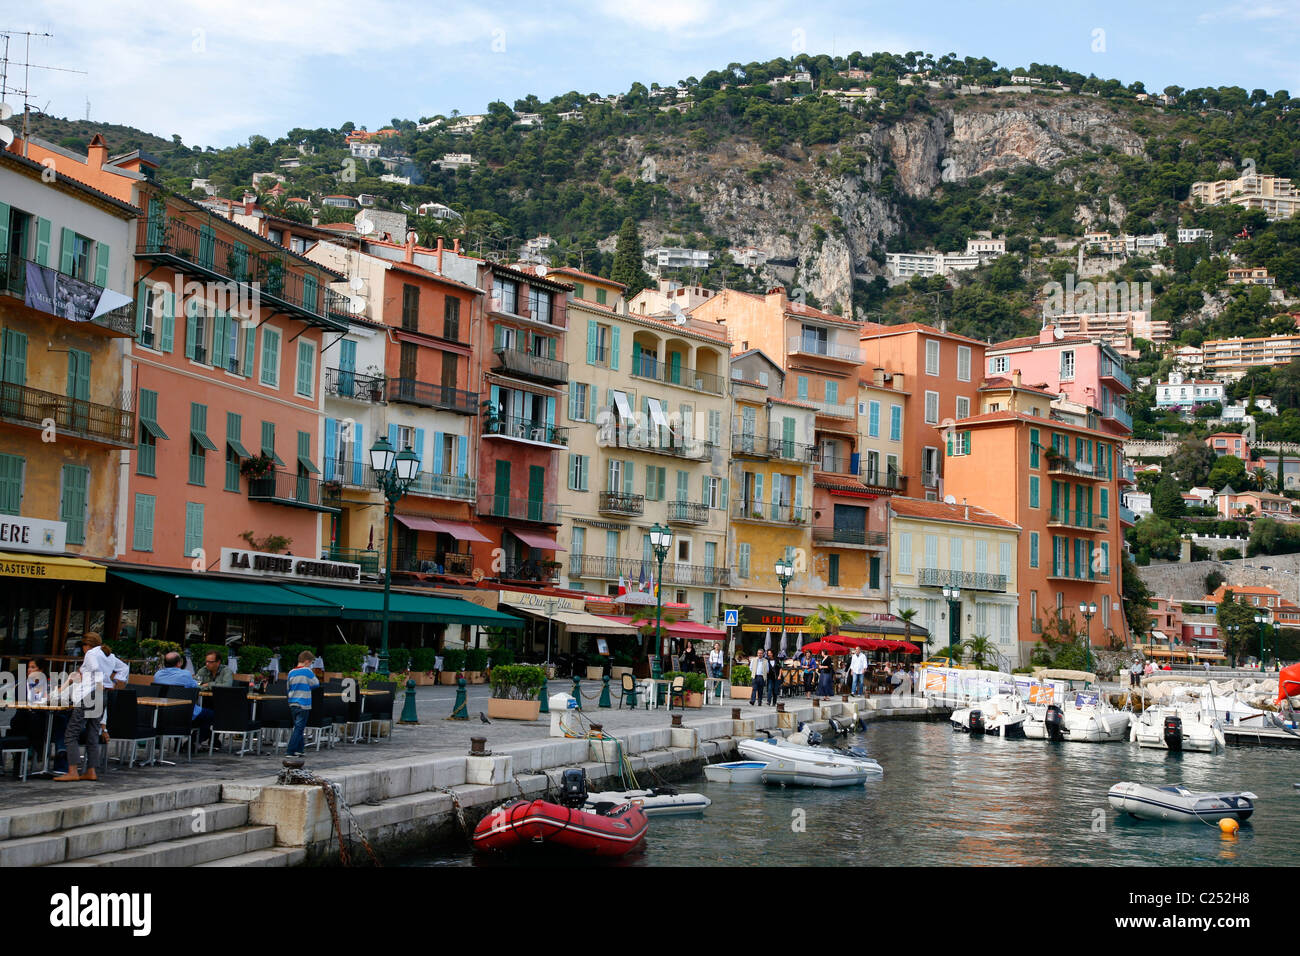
(828, 619)
(907, 617)
(1263, 478)
(978, 648)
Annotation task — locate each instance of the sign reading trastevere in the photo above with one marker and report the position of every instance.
(262, 564)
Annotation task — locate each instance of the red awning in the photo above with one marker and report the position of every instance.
(419, 523)
(462, 531)
(535, 539)
(690, 631)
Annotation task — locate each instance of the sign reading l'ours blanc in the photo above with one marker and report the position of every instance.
(33, 534)
(262, 564)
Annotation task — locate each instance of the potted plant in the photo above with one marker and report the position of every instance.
(742, 682)
(424, 661)
(622, 664)
(253, 659)
(341, 658)
(514, 691)
(453, 663)
(475, 664)
(258, 466)
(693, 684)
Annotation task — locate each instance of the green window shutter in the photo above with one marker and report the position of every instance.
(207, 246)
(742, 555)
(724, 494)
(247, 370)
(875, 574)
(704, 489)
(627, 477)
(191, 327)
(306, 362)
(13, 357)
(1033, 448)
(833, 570)
(11, 484)
(43, 242)
(502, 482)
(803, 388)
(79, 375)
(592, 343)
(613, 348)
(220, 338)
(142, 535)
(241, 261)
(72, 506)
(270, 374)
(67, 251)
(1033, 549)
(683, 490)
(4, 226)
(193, 528)
(101, 264)
(1033, 491)
(168, 332)
(141, 302)
(650, 482)
(310, 293)
(1104, 504)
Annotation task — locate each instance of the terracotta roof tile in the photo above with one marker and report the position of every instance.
(874, 329)
(942, 511)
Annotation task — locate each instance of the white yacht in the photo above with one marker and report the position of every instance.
(1002, 715)
(772, 749)
(1180, 725)
(1083, 715)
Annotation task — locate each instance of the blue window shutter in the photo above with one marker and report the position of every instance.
(360, 456)
(437, 453)
(591, 341)
(854, 462)
(550, 417)
(241, 261)
(419, 446)
(462, 455)
(101, 264)
(627, 478)
(724, 494)
(191, 328)
(67, 259)
(42, 242)
(392, 438)
(331, 447)
(4, 226)
(141, 301)
(13, 357)
(167, 334)
(613, 348)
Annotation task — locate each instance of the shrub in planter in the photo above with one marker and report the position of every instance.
(253, 659)
(399, 659)
(344, 657)
(741, 676)
(289, 655)
(424, 659)
(693, 682)
(152, 651)
(126, 650)
(453, 659)
(501, 656)
(476, 659)
(515, 691)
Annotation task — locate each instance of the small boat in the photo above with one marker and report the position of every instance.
(1180, 804)
(800, 772)
(772, 749)
(737, 771)
(1081, 711)
(1002, 715)
(655, 802)
(607, 830)
(1178, 728)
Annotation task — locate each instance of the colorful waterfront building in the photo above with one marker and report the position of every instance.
(1059, 483)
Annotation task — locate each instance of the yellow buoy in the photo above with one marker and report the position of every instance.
(1229, 826)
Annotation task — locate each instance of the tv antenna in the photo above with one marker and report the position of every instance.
(27, 66)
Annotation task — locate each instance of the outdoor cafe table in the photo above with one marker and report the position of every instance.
(49, 710)
(156, 704)
(254, 698)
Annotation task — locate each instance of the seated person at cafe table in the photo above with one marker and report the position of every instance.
(213, 673)
(174, 675)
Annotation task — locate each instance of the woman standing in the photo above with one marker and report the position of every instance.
(825, 668)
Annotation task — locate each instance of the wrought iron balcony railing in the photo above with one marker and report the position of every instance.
(613, 502)
(73, 299)
(524, 428)
(368, 559)
(344, 383)
(108, 424)
(744, 443)
(852, 537)
(750, 510)
(891, 480)
(520, 509)
(536, 367)
(430, 395)
(814, 345)
(834, 410)
(422, 561)
(1075, 574)
(793, 450)
(644, 366)
(1073, 519)
(601, 567)
(286, 488)
(1076, 469)
(973, 580)
(688, 512)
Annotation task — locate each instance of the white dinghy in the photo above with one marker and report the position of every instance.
(655, 802)
(802, 772)
(773, 749)
(1180, 804)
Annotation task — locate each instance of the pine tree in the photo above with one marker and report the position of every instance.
(627, 260)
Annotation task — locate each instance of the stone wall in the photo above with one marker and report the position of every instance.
(1186, 581)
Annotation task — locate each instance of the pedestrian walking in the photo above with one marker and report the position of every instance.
(86, 692)
(301, 681)
(858, 668)
(773, 678)
(758, 673)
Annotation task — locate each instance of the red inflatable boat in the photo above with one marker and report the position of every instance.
(538, 822)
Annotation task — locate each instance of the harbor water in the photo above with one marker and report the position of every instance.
(951, 799)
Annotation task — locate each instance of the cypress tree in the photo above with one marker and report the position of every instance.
(627, 260)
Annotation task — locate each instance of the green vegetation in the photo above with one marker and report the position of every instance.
(517, 681)
(344, 657)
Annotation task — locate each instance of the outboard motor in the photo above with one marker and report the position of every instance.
(573, 788)
(814, 738)
(976, 722)
(1054, 722)
(1174, 732)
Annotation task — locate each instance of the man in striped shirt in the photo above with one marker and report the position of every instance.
(301, 681)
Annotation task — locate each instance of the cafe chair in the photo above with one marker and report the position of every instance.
(176, 725)
(379, 707)
(678, 691)
(629, 692)
(274, 716)
(231, 719)
(340, 711)
(15, 745)
(320, 723)
(127, 729)
(161, 690)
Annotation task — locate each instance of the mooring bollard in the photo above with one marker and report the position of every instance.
(844, 697)
(604, 693)
(478, 747)
(677, 720)
(460, 710)
(780, 708)
(409, 715)
(577, 690)
(545, 708)
(735, 713)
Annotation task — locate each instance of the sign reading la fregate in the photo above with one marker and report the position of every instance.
(262, 564)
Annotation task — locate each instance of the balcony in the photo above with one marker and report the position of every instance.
(369, 560)
(823, 348)
(1076, 469)
(603, 568)
(295, 491)
(756, 446)
(694, 379)
(832, 410)
(518, 509)
(267, 275)
(969, 580)
(773, 511)
(612, 502)
(1064, 518)
(534, 367)
(74, 299)
(343, 383)
(691, 449)
(420, 561)
(428, 395)
(784, 450)
(105, 424)
(1115, 372)
(524, 429)
(688, 512)
(431, 485)
(930, 479)
(1117, 414)
(531, 572)
(849, 538)
(837, 464)
(1127, 516)
(888, 481)
(1087, 575)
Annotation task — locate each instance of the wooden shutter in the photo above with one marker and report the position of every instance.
(101, 264)
(67, 251)
(11, 484)
(42, 242)
(142, 533)
(72, 508)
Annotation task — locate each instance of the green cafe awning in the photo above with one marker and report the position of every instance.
(364, 605)
(205, 592)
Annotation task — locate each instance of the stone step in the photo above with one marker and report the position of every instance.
(272, 856)
(124, 834)
(86, 810)
(206, 849)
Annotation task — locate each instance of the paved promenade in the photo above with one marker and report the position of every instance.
(433, 736)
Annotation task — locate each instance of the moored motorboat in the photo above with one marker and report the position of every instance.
(655, 802)
(802, 772)
(736, 771)
(607, 830)
(772, 749)
(1083, 715)
(1002, 715)
(1181, 804)
(1178, 727)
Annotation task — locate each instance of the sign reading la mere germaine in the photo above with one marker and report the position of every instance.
(262, 564)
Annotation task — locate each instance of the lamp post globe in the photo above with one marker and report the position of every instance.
(661, 540)
(394, 472)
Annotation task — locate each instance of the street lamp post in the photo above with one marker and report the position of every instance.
(1233, 630)
(394, 474)
(661, 539)
(1087, 609)
(784, 572)
(953, 595)
(1260, 621)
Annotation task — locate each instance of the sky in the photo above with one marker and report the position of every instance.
(216, 72)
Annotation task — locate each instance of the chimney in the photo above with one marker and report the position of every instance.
(878, 376)
(967, 507)
(455, 246)
(409, 251)
(439, 250)
(1015, 379)
(1046, 334)
(97, 152)
(897, 380)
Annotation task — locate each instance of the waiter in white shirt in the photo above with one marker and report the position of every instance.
(87, 693)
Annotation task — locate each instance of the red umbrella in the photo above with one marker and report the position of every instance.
(911, 648)
(865, 642)
(825, 647)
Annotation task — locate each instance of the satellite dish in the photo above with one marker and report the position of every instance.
(356, 305)
(6, 111)
(6, 137)
(542, 270)
(679, 317)
(356, 283)
(949, 499)
(365, 227)
(1058, 332)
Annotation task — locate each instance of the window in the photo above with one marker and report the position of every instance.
(932, 408)
(905, 552)
(193, 528)
(504, 296)
(234, 448)
(931, 357)
(578, 402)
(150, 432)
(963, 408)
(873, 572)
(196, 332)
(142, 533)
(270, 374)
(11, 484)
(963, 363)
(410, 307)
(268, 443)
(742, 560)
(931, 551)
(999, 364)
(76, 251)
(895, 422)
(1004, 558)
(73, 498)
(1034, 448)
(981, 556)
(656, 481)
(712, 492)
(833, 570)
(715, 427)
(539, 304)
(873, 420)
(1104, 503)
(832, 393)
(579, 467)
(707, 612)
(955, 551)
(959, 444)
(451, 318)
(802, 385)
(1067, 364)
(1033, 491)
(306, 370)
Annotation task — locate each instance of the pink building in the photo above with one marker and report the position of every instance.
(1083, 370)
(1229, 443)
